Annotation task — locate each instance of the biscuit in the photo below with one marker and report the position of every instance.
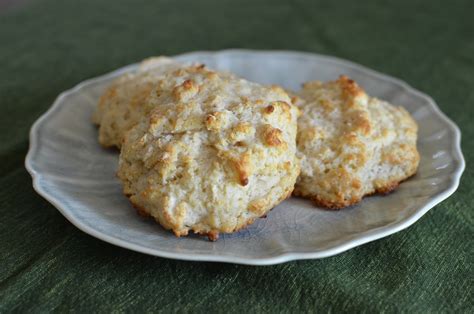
(214, 153)
(120, 106)
(350, 144)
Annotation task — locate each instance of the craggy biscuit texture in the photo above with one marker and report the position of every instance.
(214, 153)
(351, 144)
(121, 105)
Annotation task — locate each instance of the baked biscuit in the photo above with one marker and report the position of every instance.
(214, 153)
(120, 106)
(351, 144)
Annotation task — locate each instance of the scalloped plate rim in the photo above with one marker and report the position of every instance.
(368, 236)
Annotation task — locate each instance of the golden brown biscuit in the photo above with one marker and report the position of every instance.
(214, 153)
(351, 144)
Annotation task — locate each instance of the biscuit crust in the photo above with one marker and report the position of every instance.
(210, 157)
(350, 144)
(121, 105)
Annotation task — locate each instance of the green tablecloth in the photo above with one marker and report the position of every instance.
(49, 46)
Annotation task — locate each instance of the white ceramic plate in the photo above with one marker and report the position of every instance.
(76, 175)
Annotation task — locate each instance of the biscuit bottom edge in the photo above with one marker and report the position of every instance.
(212, 235)
(335, 205)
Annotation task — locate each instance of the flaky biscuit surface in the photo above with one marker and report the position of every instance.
(350, 144)
(214, 153)
(121, 105)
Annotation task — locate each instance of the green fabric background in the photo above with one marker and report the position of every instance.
(49, 46)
